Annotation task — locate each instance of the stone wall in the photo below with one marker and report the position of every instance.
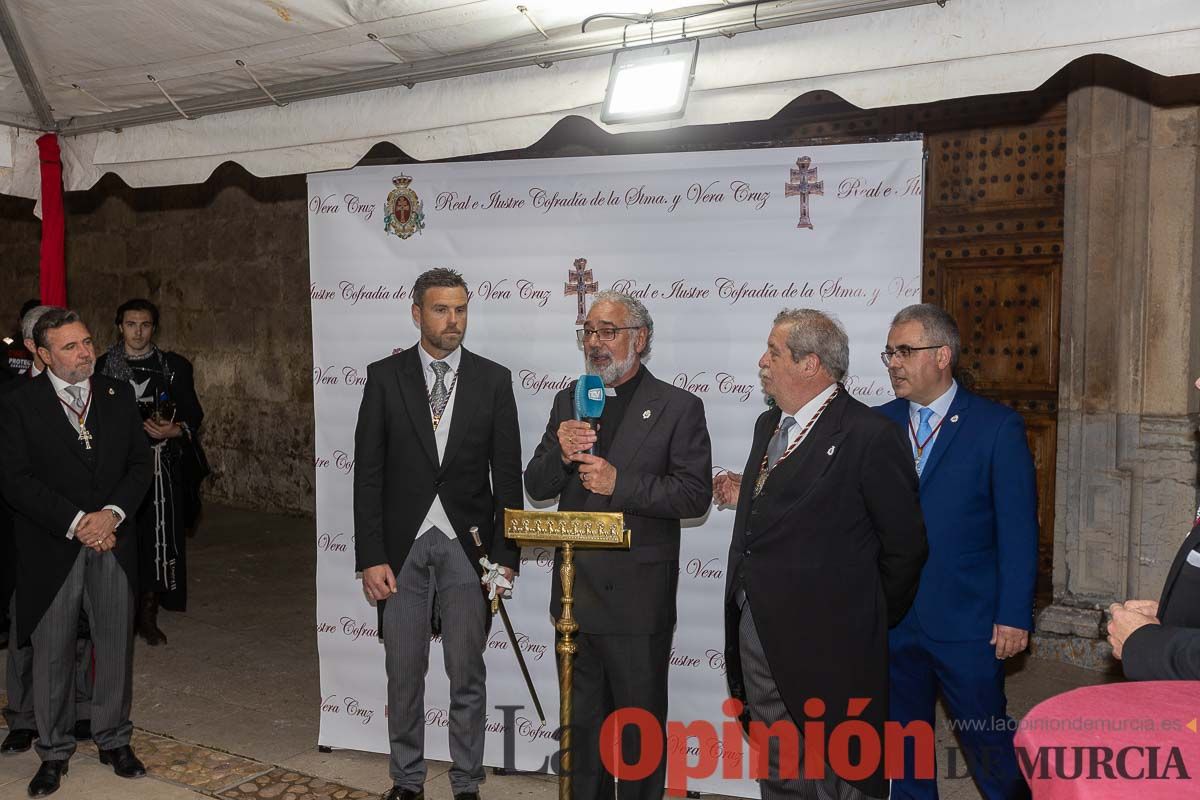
(1127, 454)
(20, 237)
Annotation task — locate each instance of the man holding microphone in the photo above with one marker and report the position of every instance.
(649, 458)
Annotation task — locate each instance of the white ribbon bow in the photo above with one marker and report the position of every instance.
(494, 579)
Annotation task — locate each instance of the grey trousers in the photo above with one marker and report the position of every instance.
(98, 585)
(437, 568)
(19, 679)
(767, 706)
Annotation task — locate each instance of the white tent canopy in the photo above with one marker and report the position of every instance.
(473, 66)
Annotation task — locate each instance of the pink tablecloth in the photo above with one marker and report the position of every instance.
(1123, 741)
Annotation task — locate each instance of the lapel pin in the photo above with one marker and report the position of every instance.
(111, 392)
(954, 418)
(646, 414)
(829, 452)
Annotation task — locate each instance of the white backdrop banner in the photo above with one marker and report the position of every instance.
(714, 243)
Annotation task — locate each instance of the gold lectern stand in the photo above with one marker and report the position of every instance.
(566, 530)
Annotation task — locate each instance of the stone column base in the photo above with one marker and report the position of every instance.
(1073, 636)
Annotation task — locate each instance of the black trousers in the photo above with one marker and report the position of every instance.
(609, 673)
(8, 562)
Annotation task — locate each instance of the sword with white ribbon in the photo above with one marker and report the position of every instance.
(495, 582)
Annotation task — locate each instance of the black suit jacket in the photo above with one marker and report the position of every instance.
(829, 557)
(48, 477)
(1171, 651)
(664, 474)
(8, 547)
(396, 469)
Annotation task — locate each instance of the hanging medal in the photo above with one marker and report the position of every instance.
(85, 435)
(763, 470)
(921, 445)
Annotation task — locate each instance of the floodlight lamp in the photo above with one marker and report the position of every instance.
(650, 83)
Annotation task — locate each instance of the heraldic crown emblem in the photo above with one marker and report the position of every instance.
(404, 215)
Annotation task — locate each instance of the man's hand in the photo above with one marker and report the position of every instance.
(1008, 641)
(597, 475)
(162, 430)
(379, 581)
(1124, 623)
(574, 436)
(97, 530)
(502, 587)
(727, 487)
(1147, 607)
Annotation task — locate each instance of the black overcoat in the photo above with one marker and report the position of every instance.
(47, 477)
(1171, 650)
(829, 557)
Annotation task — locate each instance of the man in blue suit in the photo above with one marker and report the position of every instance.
(974, 605)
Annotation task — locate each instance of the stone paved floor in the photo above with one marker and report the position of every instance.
(229, 707)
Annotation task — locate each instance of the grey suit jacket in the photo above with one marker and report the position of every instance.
(664, 474)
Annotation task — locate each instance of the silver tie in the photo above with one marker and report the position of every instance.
(76, 393)
(440, 394)
(779, 442)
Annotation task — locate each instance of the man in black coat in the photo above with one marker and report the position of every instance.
(75, 464)
(1160, 640)
(827, 549)
(166, 397)
(437, 453)
(18, 675)
(653, 462)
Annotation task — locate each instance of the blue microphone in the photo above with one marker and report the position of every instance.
(589, 401)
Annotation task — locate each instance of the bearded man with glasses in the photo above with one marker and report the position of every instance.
(974, 606)
(652, 462)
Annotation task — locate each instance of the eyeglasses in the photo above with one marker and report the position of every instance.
(603, 334)
(903, 352)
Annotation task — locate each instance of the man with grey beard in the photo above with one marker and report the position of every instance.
(652, 462)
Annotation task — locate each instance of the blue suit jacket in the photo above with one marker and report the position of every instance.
(979, 498)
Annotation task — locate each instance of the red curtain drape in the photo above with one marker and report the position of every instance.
(54, 267)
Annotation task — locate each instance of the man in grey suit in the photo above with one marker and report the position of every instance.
(74, 461)
(437, 452)
(653, 462)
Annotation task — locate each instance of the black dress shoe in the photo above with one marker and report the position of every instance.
(396, 793)
(18, 741)
(48, 777)
(124, 763)
(83, 730)
(466, 796)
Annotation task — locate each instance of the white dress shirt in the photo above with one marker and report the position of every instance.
(60, 389)
(940, 407)
(806, 413)
(436, 515)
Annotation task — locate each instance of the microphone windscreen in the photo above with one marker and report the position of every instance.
(589, 397)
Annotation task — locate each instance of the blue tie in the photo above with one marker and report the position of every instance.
(924, 431)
